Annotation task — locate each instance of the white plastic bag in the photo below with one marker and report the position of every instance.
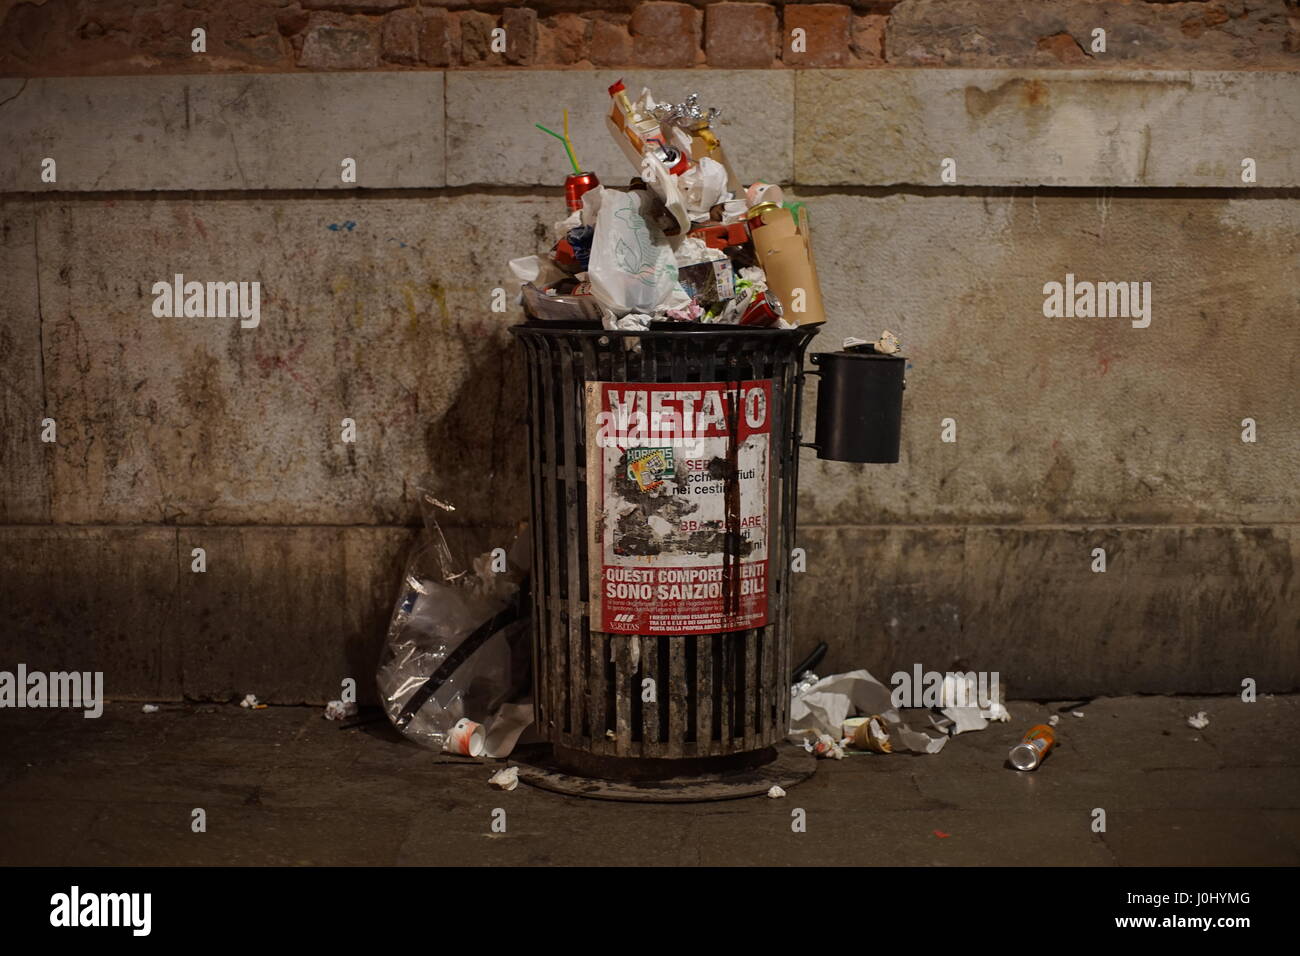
(632, 267)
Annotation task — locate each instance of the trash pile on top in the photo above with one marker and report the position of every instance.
(684, 242)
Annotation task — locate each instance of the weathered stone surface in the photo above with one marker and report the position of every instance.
(356, 6)
(874, 127)
(285, 613)
(564, 39)
(869, 38)
(1058, 420)
(879, 596)
(400, 36)
(374, 310)
(222, 132)
(1235, 34)
(741, 35)
(336, 42)
(476, 38)
(24, 459)
(93, 599)
(288, 612)
(826, 34)
(1186, 609)
(520, 25)
(435, 37)
(1195, 609)
(665, 35)
(1028, 128)
(491, 137)
(1069, 419)
(611, 44)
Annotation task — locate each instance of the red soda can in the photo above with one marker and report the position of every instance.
(575, 185)
(765, 310)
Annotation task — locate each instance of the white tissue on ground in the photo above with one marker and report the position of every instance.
(506, 779)
(337, 710)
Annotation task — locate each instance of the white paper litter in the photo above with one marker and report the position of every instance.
(632, 322)
(823, 708)
(887, 344)
(149, 709)
(540, 272)
(1054, 720)
(1199, 720)
(827, 748)
(337, 710)
(503, 733)
(249, 701)
(776, 793)
(692, 250)
(703, 186)
(967, 718)
(1076, 713)
(506, 779)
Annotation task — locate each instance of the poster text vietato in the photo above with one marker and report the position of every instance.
(677, 548)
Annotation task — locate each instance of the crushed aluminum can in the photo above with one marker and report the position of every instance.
(764, 311)
(1033, 747)
(674, 159)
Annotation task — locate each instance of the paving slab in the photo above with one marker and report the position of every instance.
(283, 786)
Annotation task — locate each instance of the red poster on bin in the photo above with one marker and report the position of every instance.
(660, 506)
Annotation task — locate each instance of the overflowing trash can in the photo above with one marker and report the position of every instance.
(663, 474)
(665, 338)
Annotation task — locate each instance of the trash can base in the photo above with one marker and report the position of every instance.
(784, 765)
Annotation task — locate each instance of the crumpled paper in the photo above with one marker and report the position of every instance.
(823, 708)
(967, 718)
(703, 186)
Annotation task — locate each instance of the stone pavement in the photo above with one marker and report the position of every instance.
(284, 786)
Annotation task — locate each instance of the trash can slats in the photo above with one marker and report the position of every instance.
(716, 694)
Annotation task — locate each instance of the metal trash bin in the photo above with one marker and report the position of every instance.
(699, 689)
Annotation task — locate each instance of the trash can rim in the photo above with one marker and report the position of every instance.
(696, 330)
(815, 357)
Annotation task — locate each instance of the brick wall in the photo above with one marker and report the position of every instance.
(89, 37)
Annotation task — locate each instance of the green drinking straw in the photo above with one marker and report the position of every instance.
(568, 145)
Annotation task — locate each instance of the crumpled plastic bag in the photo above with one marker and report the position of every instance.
(632, 267)
(458, 643)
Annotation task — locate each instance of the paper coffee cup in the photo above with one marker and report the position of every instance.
(465, 738)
